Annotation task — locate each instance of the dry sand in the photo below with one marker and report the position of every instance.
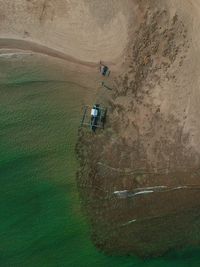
(85, 30)
(80, 32)
(152, 136)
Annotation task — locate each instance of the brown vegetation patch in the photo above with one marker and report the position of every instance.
(140, 149)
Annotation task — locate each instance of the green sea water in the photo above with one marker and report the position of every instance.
(41, 223)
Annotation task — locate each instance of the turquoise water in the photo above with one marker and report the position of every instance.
(41, 221)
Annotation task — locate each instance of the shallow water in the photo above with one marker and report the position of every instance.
(41, 221)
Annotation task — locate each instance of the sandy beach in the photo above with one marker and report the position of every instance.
(84, 30)
(80, 32)
(151, 137)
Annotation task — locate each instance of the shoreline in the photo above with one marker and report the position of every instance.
(25, 45)
(80, 72)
